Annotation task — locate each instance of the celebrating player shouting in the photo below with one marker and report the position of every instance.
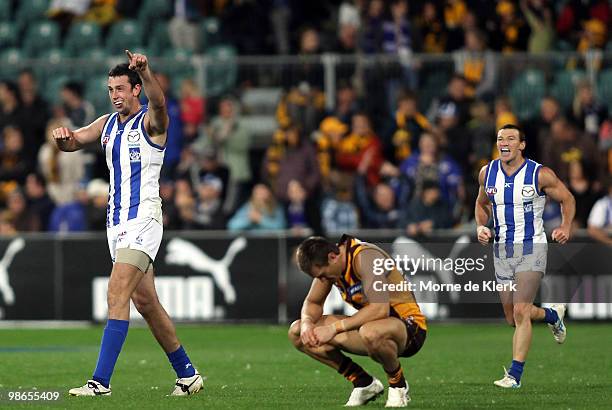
(513, 190)
(388, 325)
(133, 139)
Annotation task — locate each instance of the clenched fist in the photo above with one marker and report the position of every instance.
(484, 234)
(62, 134)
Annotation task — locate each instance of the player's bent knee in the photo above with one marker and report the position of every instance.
(294, 333)
(370, 335)
(144, 305)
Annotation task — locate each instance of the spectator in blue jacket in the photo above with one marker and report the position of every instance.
(260, 213)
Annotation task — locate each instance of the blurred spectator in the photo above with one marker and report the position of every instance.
(193, 109)
(79, 111)
(539, 15)
(600, 218)
(24, 219)
(185, 203)
(349, 13)
(588, 113)
(245, 24)
(69, 217)
(431, 29)
(477, 64)
(209, 202)
(428, 164)
(231, 139)
(537, 129)
(63, 171)
(605, 145)
(482, 128)
(97, 204)
(372, 31)
(171, 219)
(455, 13)
(353, 146)
(581, 187)
(302, 212)
(14, 163)
(568, 145)
(339, 213)
(575, 12)
(11, 112)
(456, 94)
(384, 208)
(175, 139)
(404, 130)
(398, 40)
(65, 11)
(330, 133)
(308, 70)
(39, 202)
(7, 223)
(346, 103)
(503, 112)
(513, 32)
(454, 138)
(184, 28)
(35, 112)
(207, 165)
(593, 36)
(260, 213)
(291, 158)
(302, 105)
(428, 211)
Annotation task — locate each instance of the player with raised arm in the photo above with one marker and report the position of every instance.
(387, 326)
(133, 139)
(512, 191)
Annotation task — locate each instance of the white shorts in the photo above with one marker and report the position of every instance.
(140, 234)
(507, 268)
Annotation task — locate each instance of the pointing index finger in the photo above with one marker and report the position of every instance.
(129, 54)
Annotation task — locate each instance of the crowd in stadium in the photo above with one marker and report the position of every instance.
(378, 159)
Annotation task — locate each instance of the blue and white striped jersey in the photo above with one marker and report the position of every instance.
(518, 205)
(134, 162)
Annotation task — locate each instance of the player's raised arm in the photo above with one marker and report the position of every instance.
(68, 140)
(482, 212)
(557, 191)
(158, 114)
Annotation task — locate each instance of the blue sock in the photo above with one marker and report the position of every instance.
(181, 363)
(550, 316)
(516, 370)
(113, 337)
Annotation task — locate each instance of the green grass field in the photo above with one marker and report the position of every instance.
(254, 366)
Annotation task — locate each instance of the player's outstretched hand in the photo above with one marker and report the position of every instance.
(138, 62)
(561, 235)
(62, 134)
(324, 334)
(484, 234)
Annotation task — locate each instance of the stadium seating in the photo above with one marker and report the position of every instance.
(604, 88)
(222, 73)
(11, 61)
(40, 37)
(526, 91)
(53, 86)
(153, 11)
(82, 36)
(124, 34)
(159, 39)
(5, 10)
(564, 86)
(53, 64)
(28, 12)
(210, 33)
(96, 92)
(8, 35)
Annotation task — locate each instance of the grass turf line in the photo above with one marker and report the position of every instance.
(252, 366)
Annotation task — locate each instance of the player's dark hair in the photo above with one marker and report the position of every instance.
(124, 69)
(514, 127)
(314, 252)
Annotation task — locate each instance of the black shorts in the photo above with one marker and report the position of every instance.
(415, 340)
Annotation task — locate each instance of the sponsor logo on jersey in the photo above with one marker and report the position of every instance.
(528, 207)
(491, 190)
(134, 154)
(105, 139)
(528, 192)
(133, 136)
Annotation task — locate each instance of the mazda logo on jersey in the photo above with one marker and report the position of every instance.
(528, 192)
(491, 190)
(133, 136)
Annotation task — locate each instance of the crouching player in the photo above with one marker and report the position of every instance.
(387, 326)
